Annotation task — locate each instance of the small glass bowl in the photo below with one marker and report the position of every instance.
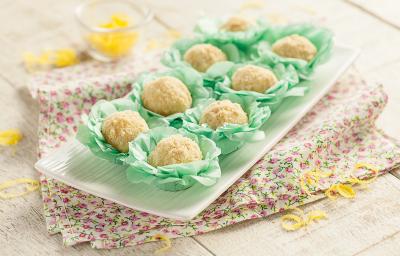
(108, 43)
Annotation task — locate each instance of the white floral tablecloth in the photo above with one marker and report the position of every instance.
(336, 134)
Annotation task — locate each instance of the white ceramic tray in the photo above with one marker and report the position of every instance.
(74, 165)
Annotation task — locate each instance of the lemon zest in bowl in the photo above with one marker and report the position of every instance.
(114, 44)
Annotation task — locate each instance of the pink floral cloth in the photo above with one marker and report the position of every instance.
(335, 135)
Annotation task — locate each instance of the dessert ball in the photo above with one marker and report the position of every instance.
(203, 56)
(166, 96)
(253, 78)
(120, 128)
(175, 149)
(236, 24)
(223, 112)
(295, 46)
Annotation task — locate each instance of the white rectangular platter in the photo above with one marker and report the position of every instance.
(74, 165)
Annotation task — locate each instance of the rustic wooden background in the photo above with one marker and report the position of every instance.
(368, 225)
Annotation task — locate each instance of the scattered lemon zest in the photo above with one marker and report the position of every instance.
(345, 190)
(10, 137)
(58, 58)
(114, 44)
(373, 169)
(331, 192)
(295, 221)
(160, 237)
(65, 57)
(298, 222)
(30, 186)
(312, 177)
(315, 215)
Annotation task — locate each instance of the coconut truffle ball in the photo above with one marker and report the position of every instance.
(175, 149)
(166, 96)
(236, 24)
(203, 56)
(120, 128)
(295, 46)
(253, 78)
(223, 112)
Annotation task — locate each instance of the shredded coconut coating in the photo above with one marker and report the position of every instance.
(175, 149)
(120, 128)
(236, 24)
(166, 96)
(223, 112)
(295, 46)
(203, 56)
(253, 78)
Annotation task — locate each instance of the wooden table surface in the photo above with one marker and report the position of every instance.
(368, 225)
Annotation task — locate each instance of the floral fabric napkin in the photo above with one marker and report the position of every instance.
(336, 134)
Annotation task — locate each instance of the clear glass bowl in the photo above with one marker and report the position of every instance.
(111, 28)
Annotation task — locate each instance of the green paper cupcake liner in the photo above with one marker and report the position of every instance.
(230, 137)
(173, 177)
(89, 133)
(190, 77)
(219, 78)
(210, 29)
(174, 57)
(322, 39)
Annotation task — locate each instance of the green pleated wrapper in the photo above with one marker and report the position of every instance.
(210, 29)
(89, 133)
(230, 137)
(172, 177)
(321, 38)
(190, 77)
(220, 75)
(173, 57)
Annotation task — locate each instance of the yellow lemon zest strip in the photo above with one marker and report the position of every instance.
(315, 215)
(345, 190)
(331, 192)
(312, 177)
(10, 137)
(298, 222)
(160, 237)
(30, 186)
(56, 58)
(375, 172)
(299, 219)
(65, 57)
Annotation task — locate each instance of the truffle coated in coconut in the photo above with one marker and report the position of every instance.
(253, 78)
(223, 112)
(203, 56)
(120, 128)
(175, 149)
(295, 46)
(236, 24)
(166, 96)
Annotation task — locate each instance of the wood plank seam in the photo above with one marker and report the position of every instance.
(376, 16)
(376, 243)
